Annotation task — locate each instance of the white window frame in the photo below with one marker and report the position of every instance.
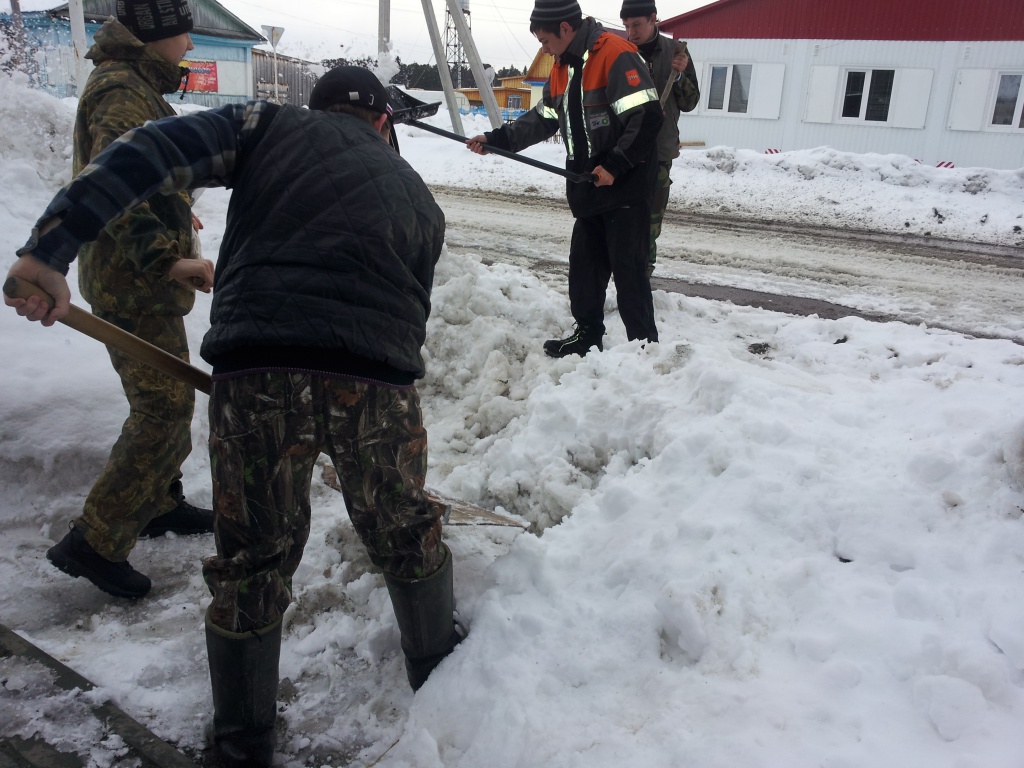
(729, 70)
(764, 97)
(869, 76)
(908, 101)
(1015, 125)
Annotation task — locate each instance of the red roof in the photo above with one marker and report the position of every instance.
(861, 20)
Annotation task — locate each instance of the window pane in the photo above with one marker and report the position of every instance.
(879, 94)
(739, 90)
(1006, 100)
(716, 96)
(854, 93)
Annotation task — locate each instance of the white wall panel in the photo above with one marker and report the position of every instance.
(911, 93)
(932, 95)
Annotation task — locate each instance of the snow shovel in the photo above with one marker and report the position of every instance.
(410, 110)
(453, 511)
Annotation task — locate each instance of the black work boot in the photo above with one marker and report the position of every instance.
(184, 520)
(75, 557)
(578, 342)
(425, 611)
(243, 672)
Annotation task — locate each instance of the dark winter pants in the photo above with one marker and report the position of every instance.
(142, 478)
(658, 206)
(614, 245)
(266, 432)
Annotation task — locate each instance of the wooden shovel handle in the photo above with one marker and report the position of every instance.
(111, 335)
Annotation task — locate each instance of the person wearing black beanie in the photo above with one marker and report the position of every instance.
(151, 20)
(675, 79)
(601, 98)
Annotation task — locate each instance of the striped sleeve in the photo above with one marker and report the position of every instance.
(164, 156)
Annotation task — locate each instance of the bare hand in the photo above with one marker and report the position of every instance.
(50, 280)
(476, 144)
(680, 60)
(602, 178)
(195, 273)
(196, 223)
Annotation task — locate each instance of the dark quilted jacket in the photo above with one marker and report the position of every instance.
(330, 244)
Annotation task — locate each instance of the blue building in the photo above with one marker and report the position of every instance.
(221, 64)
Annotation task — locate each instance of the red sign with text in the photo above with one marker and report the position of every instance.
(202, 76)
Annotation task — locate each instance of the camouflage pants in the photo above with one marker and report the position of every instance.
(142, 477)
(658, 206)
(266, 432)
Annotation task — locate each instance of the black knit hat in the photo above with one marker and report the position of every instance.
(632, 9)
(350, 85)
(151, 20)
(547, 11)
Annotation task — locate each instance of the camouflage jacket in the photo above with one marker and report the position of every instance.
(658, 54)
(125, 270)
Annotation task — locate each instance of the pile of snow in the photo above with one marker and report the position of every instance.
(767, 541)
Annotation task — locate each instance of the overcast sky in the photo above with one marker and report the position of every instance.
(319, 29)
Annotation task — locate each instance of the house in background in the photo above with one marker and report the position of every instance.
(221, 64)
(537, 75)
(937, 80)
(513, 96)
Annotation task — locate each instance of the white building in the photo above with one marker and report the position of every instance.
(938, 80)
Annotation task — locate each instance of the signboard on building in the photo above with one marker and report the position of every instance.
(202, 76)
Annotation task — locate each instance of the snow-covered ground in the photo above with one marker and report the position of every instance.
(766, 542)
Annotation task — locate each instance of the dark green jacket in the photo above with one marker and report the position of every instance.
(125, 270)
(685, 94)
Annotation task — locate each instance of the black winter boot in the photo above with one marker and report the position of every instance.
(424, 609)
(243, 672)
(75, 557)
(578, 342)
(184, 520)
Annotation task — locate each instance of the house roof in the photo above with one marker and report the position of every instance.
(210, 18)
(540, 68)
(863, 20)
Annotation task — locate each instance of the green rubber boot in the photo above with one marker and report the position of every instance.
(425, 609)
(244, 675)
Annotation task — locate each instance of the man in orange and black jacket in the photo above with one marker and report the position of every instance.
(601, 97)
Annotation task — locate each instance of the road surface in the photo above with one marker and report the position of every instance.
(970, 288)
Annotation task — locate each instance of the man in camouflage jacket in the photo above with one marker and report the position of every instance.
(141, 276)
(667, 60)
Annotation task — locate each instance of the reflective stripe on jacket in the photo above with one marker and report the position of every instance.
(601, 97)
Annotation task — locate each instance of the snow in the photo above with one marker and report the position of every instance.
(768, 541)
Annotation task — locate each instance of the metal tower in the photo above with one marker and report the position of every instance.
(454, 53)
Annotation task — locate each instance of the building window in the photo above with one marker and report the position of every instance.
(515, 101)
(730, 88)
(868, 94)
(1009, 102)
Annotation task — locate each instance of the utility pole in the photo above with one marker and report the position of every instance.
(442, 67)
(274, 36)
(383, 27)
(76, 15)
(18, 27)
